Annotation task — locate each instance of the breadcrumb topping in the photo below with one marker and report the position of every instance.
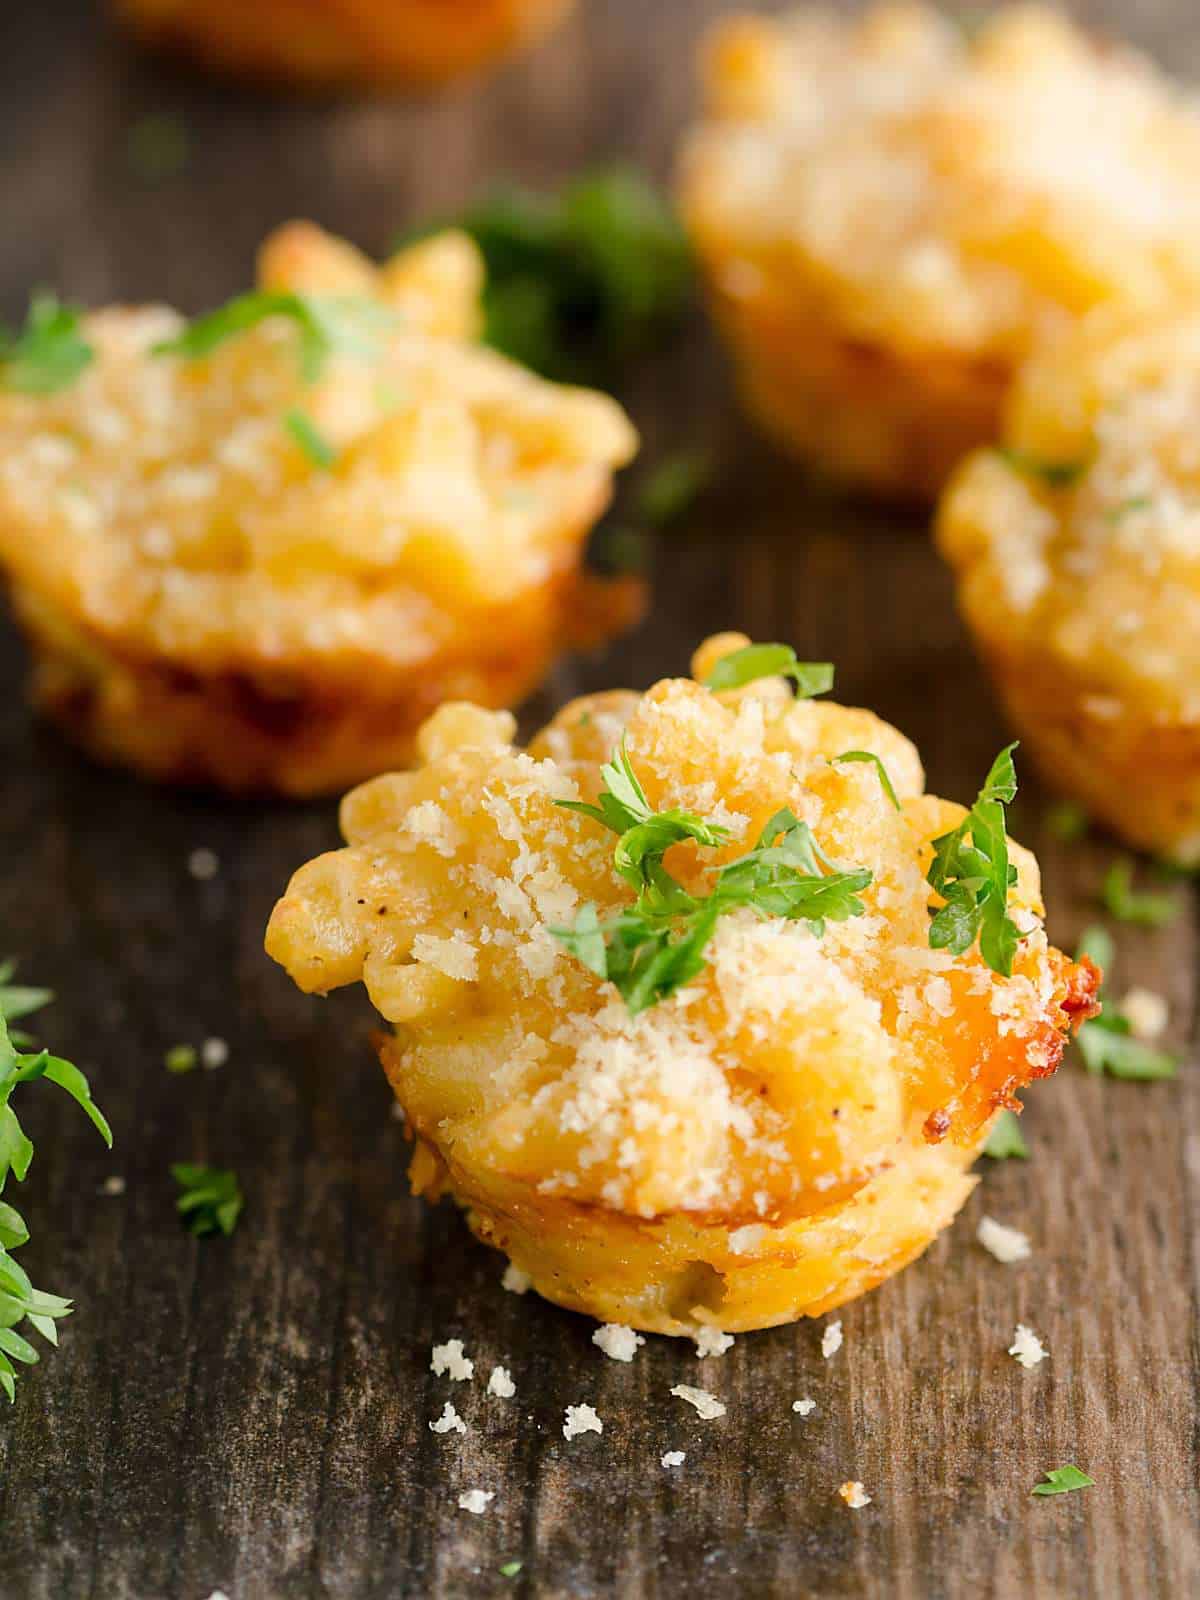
(449, 1421)
(831, 1340)
(711, 1341)
(1026, 1347)
(618, 1342)
(476, 1500)
(450, 1359)
(674, 1458)
(501, 1384)
(707, 1405)
(581, 1419)
(1006, 1244)
(804, 1407)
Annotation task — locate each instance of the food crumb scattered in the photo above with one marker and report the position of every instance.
(706, 1404)
(1006, 1244)
(501, 1384)
(450, 1358)
(113, 1186)
(449, 1421)
(514, 1280)
(1026, 1347)
(674, 1458)
(855, 1496)
(831, 1340)
(476, 1500)
(617, 1341)
(712, 1342)
(1146, 1013)
(397, 1112)
(203, 864)
(804, 1407)
(214, 1053)
(581, 1419)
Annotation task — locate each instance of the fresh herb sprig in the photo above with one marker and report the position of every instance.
(327, 325)
(1122, 901)
(212, 1199)
(971, 871)
(49, 352)
(885, 782)
(1106, 1042)
(657, 945)
(1062, 1480)
(19, 1300)
(1006, 1141)
(755, 661)
(311, 441)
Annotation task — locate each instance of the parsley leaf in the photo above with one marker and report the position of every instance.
(1054, 474)
(657, 945)
(974, 878)
(212, 1199)
(1067, 822)
(885, 781)
(328, 325)
(48, 353)
(1061, 1480)
(756, 661)
(320, 453)
(181, 1058)
(1121, 901)
(1006, 1139)
(669, 491)
(511, 1568)
(19, 1300)
(1106, 1042)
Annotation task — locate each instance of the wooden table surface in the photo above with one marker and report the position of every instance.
(252, 1414)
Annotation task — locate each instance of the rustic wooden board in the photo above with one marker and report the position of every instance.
(252, 1414)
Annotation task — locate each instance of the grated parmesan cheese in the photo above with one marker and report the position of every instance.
(674, 1458)
(1146, 1013)
(581, 1419)
(707, 1405)
(516, 1281)
(712, 1341)
(804, 1407)
(831, 1340)
(1006, 1244)
(500, 1383)
(1026, 1347)
(214, 1053)
(617, 1341)
(449, 1421)
(449, 1358)
(476, 1500)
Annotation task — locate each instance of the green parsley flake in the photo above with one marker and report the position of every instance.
(1121, 901)
(511, 1568)
(881, 770)
(756, 661)
(1054, 474)
(673, 486)
(212, 1199)
(1106, 1042)
(49, 352)
(316, 447)
(1062, 1480)
(181, 1058)
(1006, 1140)
(657, 944)
(974, 879)
(328, 325)
(1067, 822)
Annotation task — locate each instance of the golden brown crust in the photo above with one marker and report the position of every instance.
(326, 43)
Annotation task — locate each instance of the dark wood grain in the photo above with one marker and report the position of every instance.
(253, 1414)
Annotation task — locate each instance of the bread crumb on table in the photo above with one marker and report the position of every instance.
(501, 1384)
(449, 1421)
(515, 1281)
(1026, 1347)
(712, 1342)
(449, 1358)
(855, 1496)
(476, 1500)
(581, 1419)
(617, 1341)
(831, 1340)
(1006, 1244)
(804, 1407)
(707, 1405)
(1146, 1013)
(674, 1458)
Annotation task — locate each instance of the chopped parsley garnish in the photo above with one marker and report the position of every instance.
(316, 447)
(212, 1199)
(1054, 474)
(881, 770)
(755, 661)
(1006, 1140)
(181, 1058)
(657, 944)
(669, 491)
(580, 282)
(1106, 1042)
(511, 1568)
(1121, 901)
(48, 353)
(974, 878)
(19, 1300)
(157, 146)
(1068, 822)
(1061, 1480)
(328, 325)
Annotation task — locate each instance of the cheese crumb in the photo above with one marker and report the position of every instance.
(804, 1407)
(855, 1496)
(706, 1404)
(449, 1358)
(514, 1280)
(113, 1186)
(449, 1421)
(1146, 1013)
(617, 1341)
(476, 1500)
(1026, 1347)
(674, 1458)
(1006, 1244)
(500, 1383)
(581, 1419)
(214, 1053)
(712, 1342)
(203, 864)
(831, 1340)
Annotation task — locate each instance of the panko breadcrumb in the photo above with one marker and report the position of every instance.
(338, 43)
(1077, 552)
(211, 597)
(890, 212)
(829, 1089)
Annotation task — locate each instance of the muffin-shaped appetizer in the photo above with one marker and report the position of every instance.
(672, 1019)
(258, 549)
(336, 43)
(1077, 549)
(890, 212)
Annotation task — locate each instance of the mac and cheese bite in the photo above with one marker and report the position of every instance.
(711, 1072)
(257, 550)
(891, 212)
(340, 43)
(1077, 552)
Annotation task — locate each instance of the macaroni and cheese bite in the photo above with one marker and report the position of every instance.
(258, 549)
(892, 212)
(342, 43)
(671, 1018)
(1077, 552)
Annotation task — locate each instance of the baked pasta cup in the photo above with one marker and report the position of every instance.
(336, 43)
(261, 556)
(738, 1137)
(890, 214)
(1077, 550)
